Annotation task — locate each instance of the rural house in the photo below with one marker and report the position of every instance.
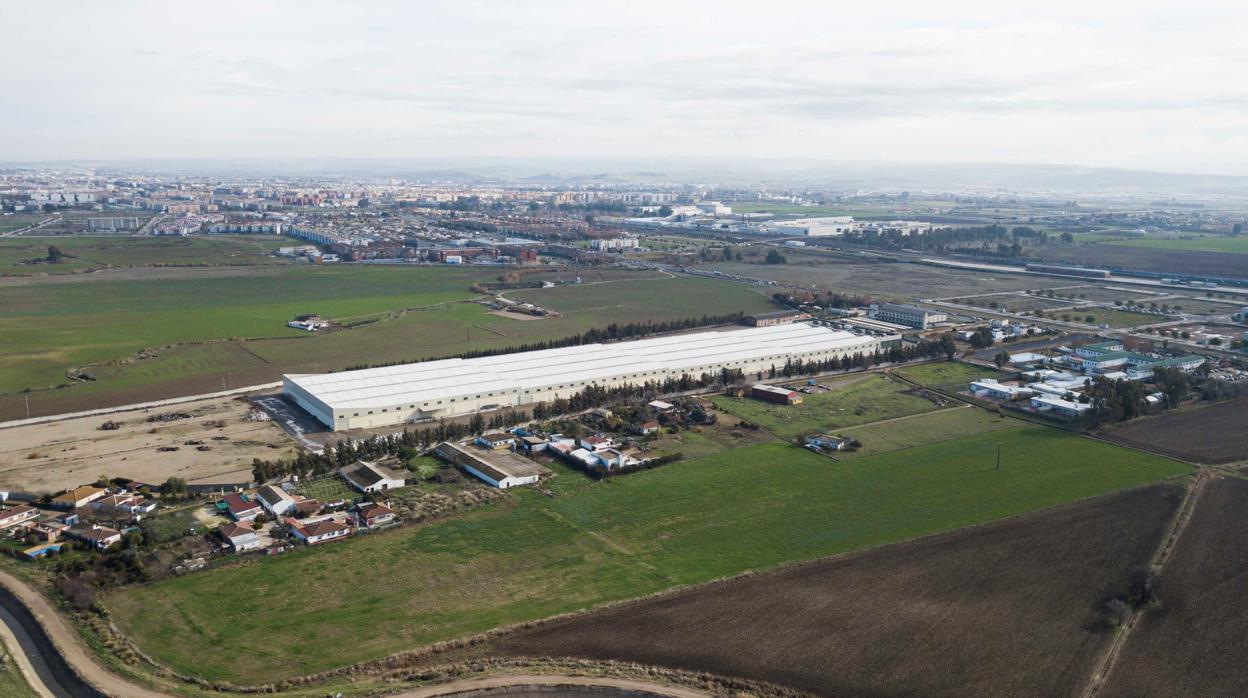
(239, 507)
(13, 516)
(78, 497)
(497, 441)
(239, 536)
(100, 537)
(373, 515)
(317, 532)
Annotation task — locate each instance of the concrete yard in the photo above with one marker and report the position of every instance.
(57, 455)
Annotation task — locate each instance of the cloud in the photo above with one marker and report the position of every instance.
(1089, 83)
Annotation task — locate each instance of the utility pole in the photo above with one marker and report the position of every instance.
(998, 455)
(27, 396)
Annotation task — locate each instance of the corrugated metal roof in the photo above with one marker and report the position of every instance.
(429, 381)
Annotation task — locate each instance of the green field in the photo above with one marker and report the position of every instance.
(860, 402)
(47, 328)
(950, 376)
(1229, 245)
(98, 251)
(921, 429)
(592, 543)
(50, 326)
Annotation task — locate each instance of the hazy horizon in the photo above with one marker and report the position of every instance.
(1157, 89)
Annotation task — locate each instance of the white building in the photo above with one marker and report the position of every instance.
(433, 389)
(908, 315)
(815, 227)
(608, 244)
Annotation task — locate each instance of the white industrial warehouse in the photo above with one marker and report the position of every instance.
(414, 392)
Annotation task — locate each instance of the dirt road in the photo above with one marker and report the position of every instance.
(468, 685)
(69, 645)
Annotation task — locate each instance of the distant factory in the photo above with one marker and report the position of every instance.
(395, 395)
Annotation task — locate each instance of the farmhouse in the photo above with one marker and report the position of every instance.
(374, 515)
(132, 504)
(317, 532)
(496, 469)
(771, 393)
(239, 507)
(100, 537)
(78, 497)
(449, 387)
(370, 477)
(239, 536)
(13, 516)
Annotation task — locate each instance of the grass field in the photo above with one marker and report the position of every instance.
(90, 322)
(921, 429)
(326, 488)
(47, 328)
(859, 402)
(1228, 245)
(999, 610)
(689, 522)
(12, 683)
(94, 252)
(950, 376)
(1193, 643)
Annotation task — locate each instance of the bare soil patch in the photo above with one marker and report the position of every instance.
(1003, 609)
(1196, 642)
(1214, 434)
(57, 455)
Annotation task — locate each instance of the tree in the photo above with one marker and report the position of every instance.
(982, 338)
(1067, 237)
(54, 254)
(665, 211)
(176, 487)
(1002, 358)
(1174, 383)
(1143, 585)
(774, 257)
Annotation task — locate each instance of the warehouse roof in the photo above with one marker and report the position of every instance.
(428, 381)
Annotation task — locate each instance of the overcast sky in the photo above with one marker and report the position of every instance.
(1131, 84)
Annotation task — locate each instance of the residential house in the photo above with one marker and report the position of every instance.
(370, 477)
(133, 505)
(12, 516)
(614, 459)
(240, 507)
(596, 443)
(650, 427)
(660, 406)
(78, 497)
(374, 515)
(100, 537)
(239, 536)
(317, 532)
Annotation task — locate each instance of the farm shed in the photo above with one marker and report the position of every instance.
(495, 468)
(771, 393)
